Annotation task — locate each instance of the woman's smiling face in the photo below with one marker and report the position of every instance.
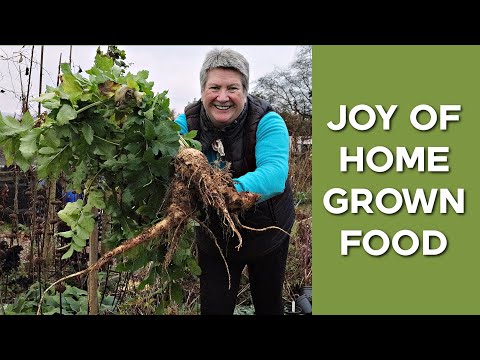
(223, 96)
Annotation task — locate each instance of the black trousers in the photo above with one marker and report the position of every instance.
(266, 276)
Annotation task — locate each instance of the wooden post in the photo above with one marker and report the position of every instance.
(93, 306)
(48, 243)
(41, 77)
(15, 208)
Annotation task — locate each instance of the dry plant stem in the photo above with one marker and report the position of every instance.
(305, 220)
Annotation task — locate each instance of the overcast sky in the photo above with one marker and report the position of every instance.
(173, 68)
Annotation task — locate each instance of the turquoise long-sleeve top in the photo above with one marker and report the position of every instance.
(271, 154)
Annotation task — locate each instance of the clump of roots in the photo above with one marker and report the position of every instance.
(196, 184)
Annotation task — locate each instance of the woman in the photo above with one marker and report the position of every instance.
(243, 130)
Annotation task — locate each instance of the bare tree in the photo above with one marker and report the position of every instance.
(290, 90)
(13, 68)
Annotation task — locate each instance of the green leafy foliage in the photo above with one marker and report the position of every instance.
(73, 301)
(112, 138)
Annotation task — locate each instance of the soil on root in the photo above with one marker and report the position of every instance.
(196, 184)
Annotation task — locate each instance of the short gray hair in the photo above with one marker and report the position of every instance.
(225, 58)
